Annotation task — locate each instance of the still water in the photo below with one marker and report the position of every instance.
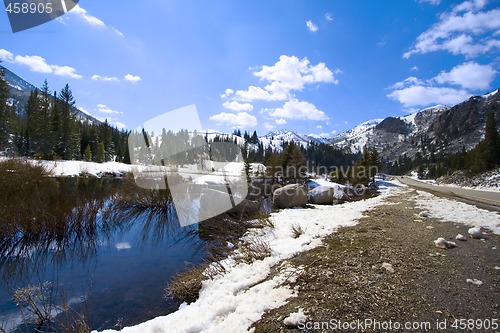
(108, 250)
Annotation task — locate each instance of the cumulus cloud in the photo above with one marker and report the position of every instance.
(285, 76)
(329, 16)
(239, 120)
(66, 71)
(6, 55)
(104, 78)
(39, 64)
(311, 26)
(237, 106)
(466, 30)
(420, 95)
(132, 78)
(278, 83)
(103, 108)
(469, 75)
(227, 93)
(295, 109)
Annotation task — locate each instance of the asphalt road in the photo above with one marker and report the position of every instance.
(488, 199)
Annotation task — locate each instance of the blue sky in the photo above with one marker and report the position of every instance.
(317, 67)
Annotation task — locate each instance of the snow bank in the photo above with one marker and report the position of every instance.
(76, 168)
(233, 300)
(459, 212)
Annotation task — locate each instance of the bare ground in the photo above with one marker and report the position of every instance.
(345, 280)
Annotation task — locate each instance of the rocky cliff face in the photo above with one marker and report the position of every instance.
(438, 130)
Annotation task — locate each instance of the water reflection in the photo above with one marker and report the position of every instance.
(103, 241)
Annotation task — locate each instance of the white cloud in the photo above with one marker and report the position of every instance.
(329, 16)
(35, 63)
(311, 26)
(239, 120)
(104, 78)
(132, 78)
(39, 64)
(469, 75)
(280, 121)
(465, 30)
(292, 73)
(419, 95)
(414, 69)
(319, 127)
(91, 20)
(66, 71)
(295, 109)
(254, 93)
(237, 106)
(6, 55)
(227, 93)
(412, 80)
(103, 108)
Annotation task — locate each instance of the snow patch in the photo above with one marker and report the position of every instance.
(458, 212)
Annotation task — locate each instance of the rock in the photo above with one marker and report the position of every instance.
(247, 207)
(295, 319)
(289, 196)
(475, 233)
(321, 195)
(388, 267)
(424, 214)
(461, 237)
(214, 202)
(444, 244)
(474, 281)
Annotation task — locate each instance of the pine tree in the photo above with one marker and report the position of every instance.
(4, 112)
(87, 155)
(101, 153)
(491, 152)
(70, 137)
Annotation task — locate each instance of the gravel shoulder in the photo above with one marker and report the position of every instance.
(348, 279)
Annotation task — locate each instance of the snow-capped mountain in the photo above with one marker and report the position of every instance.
(356, 138)
(438, 130)
(20, 90)
(275, 139)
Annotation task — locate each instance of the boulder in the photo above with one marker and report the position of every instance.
(340, 195)
(288, 196)
(246, 207)
(321, 195)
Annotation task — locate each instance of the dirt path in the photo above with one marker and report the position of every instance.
(345, 280)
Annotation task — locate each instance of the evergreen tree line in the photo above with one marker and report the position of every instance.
(51, 129)
(483, 157)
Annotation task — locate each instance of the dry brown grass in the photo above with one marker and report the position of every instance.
(254, 250)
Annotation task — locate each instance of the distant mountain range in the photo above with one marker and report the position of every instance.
(435, 130)
(20, 92)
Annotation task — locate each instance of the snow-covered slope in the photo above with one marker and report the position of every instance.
(275, 139)
(356, 138)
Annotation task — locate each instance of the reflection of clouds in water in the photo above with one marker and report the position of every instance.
(122, 246)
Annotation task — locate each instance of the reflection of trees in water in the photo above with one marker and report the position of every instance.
(48, 221)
